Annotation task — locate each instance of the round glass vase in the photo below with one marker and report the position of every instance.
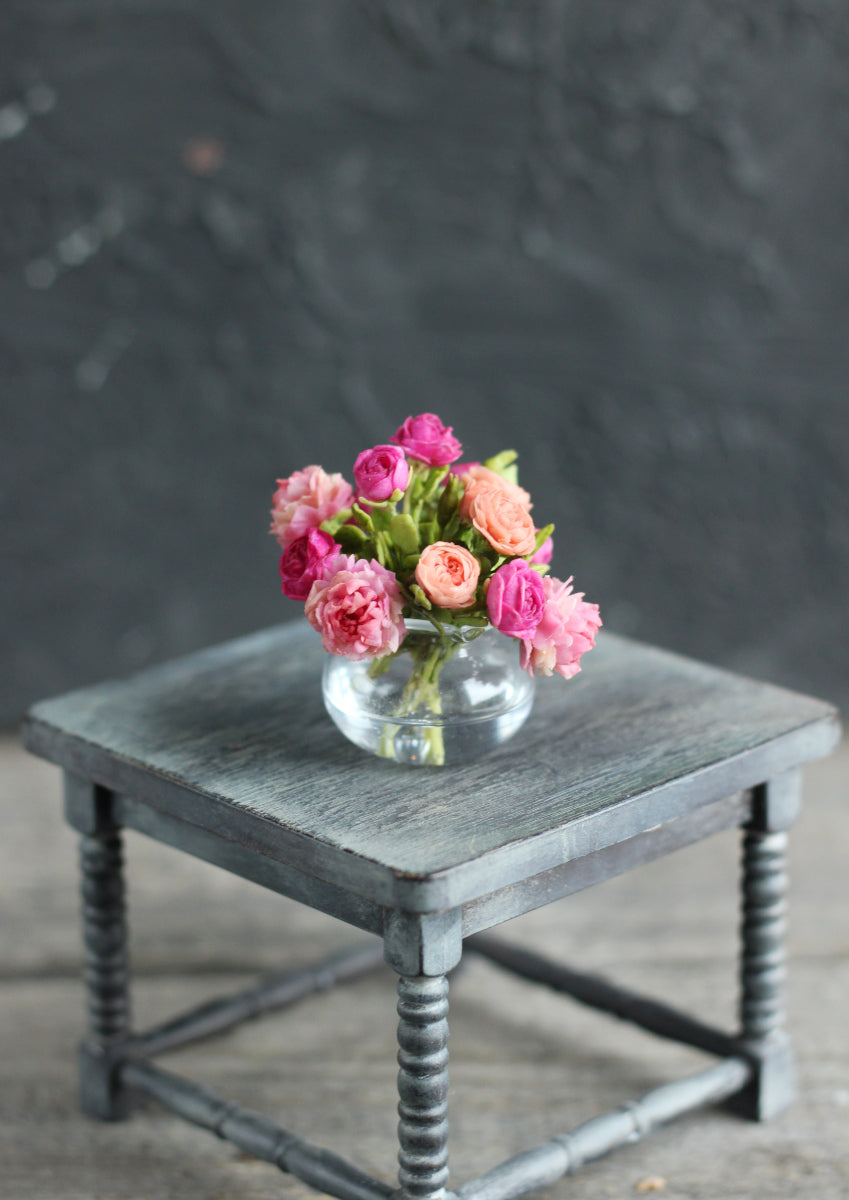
(443, 697)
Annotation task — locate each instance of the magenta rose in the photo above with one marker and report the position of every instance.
(567, 630)
(357, 609)
(515, 599)
(426, 439)
(381, 471)
(462, 468)
(543, 555)
(304, 500)
(305, 560)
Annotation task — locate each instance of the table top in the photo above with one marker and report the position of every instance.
(235, 740)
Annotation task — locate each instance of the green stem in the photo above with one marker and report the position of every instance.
(421, 691)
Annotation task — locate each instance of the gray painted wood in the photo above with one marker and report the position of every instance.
(710, 735)
(105, 936)
(423, 1087)
(324, 1068)
(235, 740)
(573, 876)
(763, 928)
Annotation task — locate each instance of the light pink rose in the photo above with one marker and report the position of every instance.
(479, 479)
(357, 609)
(426, 439)
(504, 522)
(567, 630)
(304, 500)
(448, 575)
(304, 560)
(381, 471)
(515, 599)
(543, 555)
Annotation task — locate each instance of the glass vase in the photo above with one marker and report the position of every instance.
(444, 697)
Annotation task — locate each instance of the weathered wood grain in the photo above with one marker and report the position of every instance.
(236, 740)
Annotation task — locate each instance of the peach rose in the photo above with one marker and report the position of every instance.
(448, 575)
(479, 478)
(504, 522)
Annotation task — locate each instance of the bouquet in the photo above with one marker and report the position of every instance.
(422, 537)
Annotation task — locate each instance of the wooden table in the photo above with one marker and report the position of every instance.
(229, 756)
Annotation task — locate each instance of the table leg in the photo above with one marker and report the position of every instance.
(89, 809)
(105, 936)
(763, 927)
(423, 1086)
(762, 958)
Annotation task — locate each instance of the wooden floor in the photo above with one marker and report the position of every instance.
(525, 1064)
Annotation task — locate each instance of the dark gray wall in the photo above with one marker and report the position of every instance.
(239, 236)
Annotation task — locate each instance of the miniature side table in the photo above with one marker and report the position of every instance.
(229, 756)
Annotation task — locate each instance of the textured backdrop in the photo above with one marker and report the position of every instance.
(239, 236)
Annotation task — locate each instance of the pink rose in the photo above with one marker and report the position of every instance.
(448, 575)
(357, 609)
(567, 630)
(515, 599)
(543, 555)
(425, 438)
(305, 560)
(304, 500)
(381, 471)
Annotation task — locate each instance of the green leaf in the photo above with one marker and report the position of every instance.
(333, 524)
(451, 530)
(363, 517)
(351, 538)
(449, 500)
(433, 479)
(381, 518)
(382, 550)
(464, 616)
(420, 598)
(500, 462)
(431, 532)
(542, 534)
(472, 540)
(405, 536)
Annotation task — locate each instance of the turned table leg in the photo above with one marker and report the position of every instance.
(90, 809)
(762, 951)
(422, 949)
(423, 1086)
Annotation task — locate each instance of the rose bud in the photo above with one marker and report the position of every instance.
(426, 439)
(381, 471)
